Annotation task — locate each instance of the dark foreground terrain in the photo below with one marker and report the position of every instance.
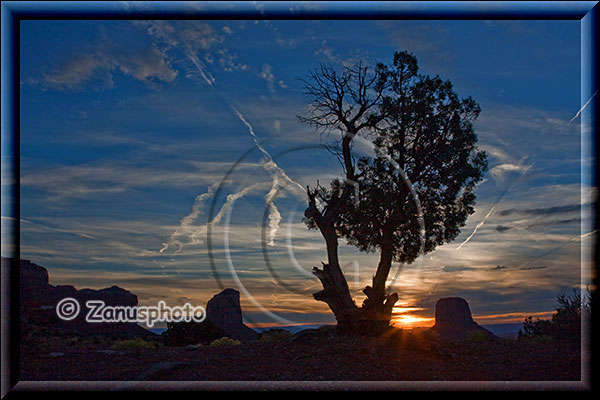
(398, 358)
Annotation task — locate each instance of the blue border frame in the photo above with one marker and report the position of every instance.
(302, 10)
(12, 12)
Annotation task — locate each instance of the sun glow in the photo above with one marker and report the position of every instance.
(404, 317)
(411, 321)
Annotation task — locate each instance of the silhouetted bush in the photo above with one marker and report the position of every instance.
(565, 326)
(274, 335)
(537, 328)
(224, 342)
(184, 333)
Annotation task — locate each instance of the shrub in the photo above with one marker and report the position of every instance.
(185, 333)
(224, 342)
(275, 335)
(131, 344)
(565, 325)
(539, 327)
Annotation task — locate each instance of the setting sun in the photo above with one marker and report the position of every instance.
(403, 319)
(411, 321)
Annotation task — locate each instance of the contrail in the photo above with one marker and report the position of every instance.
(230, 199)
(480, 224)
(191, 218)
(251, 130)
(577, 238)
(270, 163)
(584, 106)
(274, 215)
(84, 235)
(200, 66)
(278, 176)
(187, 221)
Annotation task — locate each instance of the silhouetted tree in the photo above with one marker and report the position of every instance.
(414, 193)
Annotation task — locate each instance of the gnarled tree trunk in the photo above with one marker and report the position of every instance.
(352, 102)
(377, 307)
(336, 292)
(375, 314)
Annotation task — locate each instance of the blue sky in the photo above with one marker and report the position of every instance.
(136, 134)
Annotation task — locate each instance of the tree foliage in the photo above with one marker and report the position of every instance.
(427, 144)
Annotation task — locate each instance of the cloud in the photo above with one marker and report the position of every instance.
(327, 53)
(192, 37)
(503, 228)
(147, 66)
(198, 36)
(198, 41)
(186, 224)
(500, 170)
(554, 223)
(514, 151)
(545, 211)
(531, 268)
(76, 71)
(92, 180)
(348, 60)
(541, 224)
(228, 61)
(452, 268)
(268, 76)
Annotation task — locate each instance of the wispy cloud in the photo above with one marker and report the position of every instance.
(91, 180)
(544, 211)
(268, 75)
(201, 43)
(185, 225)
(500, 172)
(148, 66)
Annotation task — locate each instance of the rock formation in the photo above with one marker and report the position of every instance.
(453, 320)
(39, 299)
(225, 311)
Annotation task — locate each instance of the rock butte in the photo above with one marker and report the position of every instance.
(453, 320)
(224, 310)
